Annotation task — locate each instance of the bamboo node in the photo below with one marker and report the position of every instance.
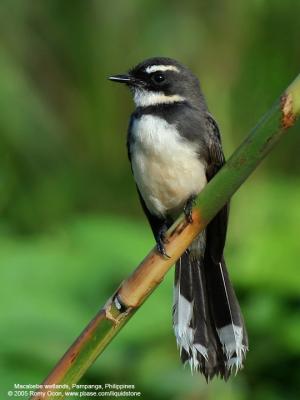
(288, 116)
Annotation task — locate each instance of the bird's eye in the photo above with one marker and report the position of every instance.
(158, 77)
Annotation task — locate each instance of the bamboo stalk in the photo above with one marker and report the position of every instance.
(133, 291)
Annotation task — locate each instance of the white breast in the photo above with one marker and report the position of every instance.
(166, 167)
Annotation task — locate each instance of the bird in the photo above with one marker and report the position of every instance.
(174, 148)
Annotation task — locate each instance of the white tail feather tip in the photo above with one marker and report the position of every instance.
(231, 337)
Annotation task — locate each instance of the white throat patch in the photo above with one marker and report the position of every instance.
(145, 98)
(155, 68)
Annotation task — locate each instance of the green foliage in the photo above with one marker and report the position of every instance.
(63, 124)
(53, 284)
(65, 181)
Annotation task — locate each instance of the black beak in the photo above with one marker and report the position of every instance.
(121, 78)
(128, 79)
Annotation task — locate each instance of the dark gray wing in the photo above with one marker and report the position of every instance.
(216, 157)
(217, 228)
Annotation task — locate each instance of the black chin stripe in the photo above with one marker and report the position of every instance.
(158, 108)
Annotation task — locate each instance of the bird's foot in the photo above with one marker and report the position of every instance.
(161, 240)
(188, 209)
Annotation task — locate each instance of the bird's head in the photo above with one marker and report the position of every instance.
(160, 80)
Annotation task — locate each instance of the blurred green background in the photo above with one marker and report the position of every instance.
(71, 225)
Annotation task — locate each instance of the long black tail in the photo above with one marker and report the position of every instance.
(207, 319)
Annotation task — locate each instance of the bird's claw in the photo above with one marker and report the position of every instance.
(160, 242)
(161, 249)
(188, 209)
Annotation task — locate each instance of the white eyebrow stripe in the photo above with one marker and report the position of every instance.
(155, 68)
